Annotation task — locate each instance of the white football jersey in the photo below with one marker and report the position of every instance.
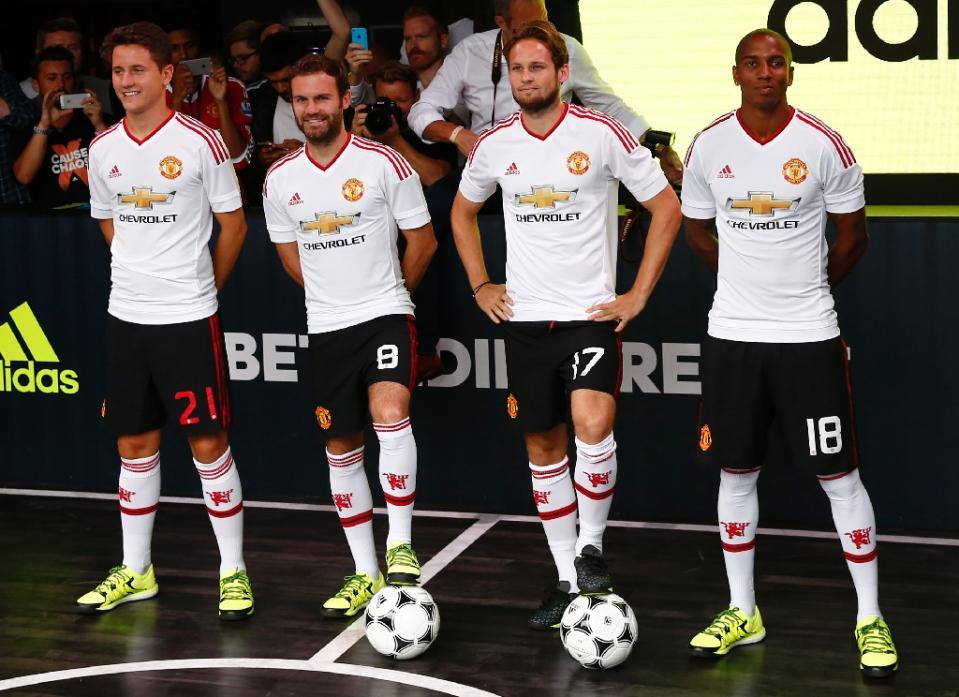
(770, 202)
(161, 193)
(560, 206)
(344, 220)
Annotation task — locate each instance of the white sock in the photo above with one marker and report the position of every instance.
(354, 506)
(556, 504)
(139, 493)
(398, 477)
(856, 524)
(223, 495)
(738, 509)
(595, 482)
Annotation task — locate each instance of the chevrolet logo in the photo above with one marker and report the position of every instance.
(326, 223)
(143, 197)
(545, 197)
(762, 203)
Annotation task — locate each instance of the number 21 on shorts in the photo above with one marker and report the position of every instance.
(824, 435)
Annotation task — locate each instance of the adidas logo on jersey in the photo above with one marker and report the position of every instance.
(114, 173)
(726, 173)
(295, 199)
(18, 373)
(512, 169)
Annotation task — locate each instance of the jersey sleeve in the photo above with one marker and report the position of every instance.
(697, 199)
(281, 227)
(101, 201)
(843, 190)
(404, 195)
(219, 180)
(633, 165)
(476, 183)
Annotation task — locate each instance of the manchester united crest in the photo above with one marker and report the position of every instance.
(323, 418)
(353, 190)
(512, 406)
(578, 163)
(171, 167)
(705, 438)
(795, 171)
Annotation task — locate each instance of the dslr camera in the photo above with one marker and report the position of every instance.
(381, 114)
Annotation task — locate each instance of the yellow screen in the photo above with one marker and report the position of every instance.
(671, 61)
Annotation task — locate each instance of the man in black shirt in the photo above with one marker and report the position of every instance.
(53, 162)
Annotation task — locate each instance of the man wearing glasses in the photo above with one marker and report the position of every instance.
(243, 46)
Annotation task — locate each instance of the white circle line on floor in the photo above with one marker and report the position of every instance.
(425, 682)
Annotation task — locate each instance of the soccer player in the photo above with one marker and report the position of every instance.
(157, 179)
(558, 167)
(760, 184)
(332, 209)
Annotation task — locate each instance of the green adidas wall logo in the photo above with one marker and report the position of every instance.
(18, 370)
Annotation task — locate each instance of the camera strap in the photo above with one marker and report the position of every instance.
(497, 71)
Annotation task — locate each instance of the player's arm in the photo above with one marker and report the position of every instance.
(663, 228)
(491, 297)
(702, 238)
(219, 89)
(106, 227)
(420, 247)
(852, 238)
(289, 253)
(228, 244)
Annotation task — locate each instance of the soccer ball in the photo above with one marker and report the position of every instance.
(599, 631)
(402, 622)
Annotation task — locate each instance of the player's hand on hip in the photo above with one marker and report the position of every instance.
(621, 310)
(495, 302)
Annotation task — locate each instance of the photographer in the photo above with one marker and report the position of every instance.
(394, 86)
(53, 163)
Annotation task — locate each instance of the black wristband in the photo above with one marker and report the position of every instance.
(477, 288)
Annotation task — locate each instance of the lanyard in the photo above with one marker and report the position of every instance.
(497, 71)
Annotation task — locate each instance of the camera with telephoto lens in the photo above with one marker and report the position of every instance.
(381, 114)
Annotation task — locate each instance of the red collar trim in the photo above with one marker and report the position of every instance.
(765, 141)
(151, 134)
(550, 131)
(306, 149)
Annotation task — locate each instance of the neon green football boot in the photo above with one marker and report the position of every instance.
(236, 595)
(122, 585)
(729, 629)
(878, 657)
(402, 566)
(355, 594)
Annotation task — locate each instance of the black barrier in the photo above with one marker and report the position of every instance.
(897, 311)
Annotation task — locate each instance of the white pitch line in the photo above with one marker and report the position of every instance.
(344, 641)
(465, 515)
(406, 679)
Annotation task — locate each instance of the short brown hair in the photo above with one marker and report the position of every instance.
(54, 25)
(394, 71)
(146, 34)
(543, 31)
(314, 63)
(247, 31)
(421, 11)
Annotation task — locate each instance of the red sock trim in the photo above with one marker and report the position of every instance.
(138, 511)
(861, 558)
(558, 513)
(358, 519)
(597, 496)
(400, 500)
(744, 547)
(225, 514)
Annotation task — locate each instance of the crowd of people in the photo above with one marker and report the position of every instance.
(364, 163)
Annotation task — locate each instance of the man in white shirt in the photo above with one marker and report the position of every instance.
(759, 186)
(157, 179)
(332, 209)
(559, 167)
(475, 75)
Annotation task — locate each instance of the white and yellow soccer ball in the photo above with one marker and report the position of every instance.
(402, 622)
(599, 631)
